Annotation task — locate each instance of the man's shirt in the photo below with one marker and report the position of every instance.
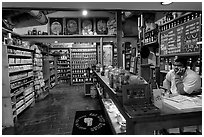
(191, 81)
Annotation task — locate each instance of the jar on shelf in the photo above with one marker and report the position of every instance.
(34, 31)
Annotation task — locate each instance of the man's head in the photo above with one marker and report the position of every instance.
(180, 65)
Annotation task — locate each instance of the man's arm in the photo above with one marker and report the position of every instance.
(179, 85)
(167, 85)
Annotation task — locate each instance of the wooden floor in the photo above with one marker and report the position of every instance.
(55, 114)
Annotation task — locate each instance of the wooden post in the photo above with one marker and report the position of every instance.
(101, 50)
(119, 39)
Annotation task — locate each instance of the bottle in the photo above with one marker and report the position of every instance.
(9, 39)
(197, 66)
(34, 31)
(152, 36)
(189, 63)
(170, 65)
(166, 65)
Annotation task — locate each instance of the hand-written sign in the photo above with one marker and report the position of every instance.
(181, 39)
(191, 36)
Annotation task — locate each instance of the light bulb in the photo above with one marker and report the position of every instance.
(84, 12)
(166, 2)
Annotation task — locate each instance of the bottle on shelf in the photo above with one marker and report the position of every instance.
(9, 39)
(170, 65)
(166, 65)
(197, 66)
(189, 63)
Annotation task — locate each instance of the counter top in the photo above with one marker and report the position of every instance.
(146, 124)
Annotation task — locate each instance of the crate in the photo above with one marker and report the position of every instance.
(137, 100)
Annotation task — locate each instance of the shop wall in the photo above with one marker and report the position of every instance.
(65, 14)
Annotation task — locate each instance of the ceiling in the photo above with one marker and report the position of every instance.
(18, 14)
(105, 5)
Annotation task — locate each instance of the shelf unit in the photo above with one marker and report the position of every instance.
(18, 81)
(128, 54)
(151, 37)
(75, 38)
(82, 57)
(181, 37)
(63, 66)
(46, 73)
(52, 71)
(39, 83)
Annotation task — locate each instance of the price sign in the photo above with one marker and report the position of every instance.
(181, 39)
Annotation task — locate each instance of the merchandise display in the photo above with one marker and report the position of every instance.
(20, 74)
(63, 66)
(39, 83)
(52, 70)
(81, 59)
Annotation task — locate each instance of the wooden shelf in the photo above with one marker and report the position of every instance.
(53, 48)
(83, 51)
(19, 47)
(65, 59)
(176, 19)
(23, 84)
(20, 71)
(62, 64)
(79, 68)
(4, 30)
(63, 72)
(20, 79)
(64, 77)
(75, 38)
(64, 68)
(182, 54)
(19, 64)
(19, 55)
(76, 73)
(150, 43)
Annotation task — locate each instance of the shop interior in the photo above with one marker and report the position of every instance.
(107, 59)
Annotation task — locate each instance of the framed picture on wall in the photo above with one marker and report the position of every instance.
(101, 26)
(56, 26)
(72, 26)
(87, 26)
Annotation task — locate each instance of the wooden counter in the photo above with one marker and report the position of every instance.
(146, 124)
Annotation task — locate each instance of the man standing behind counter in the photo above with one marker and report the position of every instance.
(182, 80)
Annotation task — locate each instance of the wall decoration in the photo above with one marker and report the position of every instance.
(101, 25)
(72, 26)
(87, 26)
(56, 26)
